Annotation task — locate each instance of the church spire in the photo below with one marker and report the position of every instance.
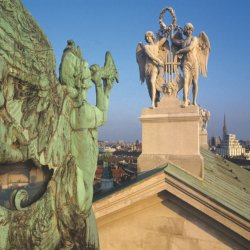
(224, 128)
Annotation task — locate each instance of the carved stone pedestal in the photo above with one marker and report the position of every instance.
(171, 133)
(204, 139)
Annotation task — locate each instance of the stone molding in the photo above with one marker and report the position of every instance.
(169, 117)
(129, 195)
(208, 206)
(112, 203)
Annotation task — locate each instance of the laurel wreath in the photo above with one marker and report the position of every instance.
(172, 13)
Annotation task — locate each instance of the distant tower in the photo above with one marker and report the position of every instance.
(107, 181)
(224, 128)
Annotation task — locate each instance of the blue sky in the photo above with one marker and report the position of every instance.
(98, 26)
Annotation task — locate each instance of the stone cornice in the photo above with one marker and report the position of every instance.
(170, 117)
(129, 195)
(208, 206)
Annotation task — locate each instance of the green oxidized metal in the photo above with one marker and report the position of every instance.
(51, 122)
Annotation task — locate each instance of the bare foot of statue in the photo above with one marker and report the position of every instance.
(184, 104)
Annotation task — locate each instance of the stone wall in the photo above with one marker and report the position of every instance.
(163, 222)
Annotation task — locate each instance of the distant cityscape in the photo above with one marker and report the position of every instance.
(117, 164)
(228, 146)
(121, 166)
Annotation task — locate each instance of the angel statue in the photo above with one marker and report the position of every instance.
(194, 53)
(49, 121)
(151, 59)
(204, 118)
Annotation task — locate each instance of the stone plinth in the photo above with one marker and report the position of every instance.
(171, 133)
(204, 139)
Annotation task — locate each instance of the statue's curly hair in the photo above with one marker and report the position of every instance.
(188, 26)
(150, 33)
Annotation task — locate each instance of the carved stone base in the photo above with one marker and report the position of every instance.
(193, 164)
(204, 139)
(171, 133)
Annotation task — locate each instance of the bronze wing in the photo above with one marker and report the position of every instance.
(33, 97)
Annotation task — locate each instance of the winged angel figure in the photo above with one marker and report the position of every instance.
(194, 53)
(151, 59)
(51, 122)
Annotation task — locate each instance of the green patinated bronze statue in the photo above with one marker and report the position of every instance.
(49, 121)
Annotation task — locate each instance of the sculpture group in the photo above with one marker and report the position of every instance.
(160, 59)
(49, 121)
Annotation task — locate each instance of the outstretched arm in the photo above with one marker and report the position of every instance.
(103, 79)
(102, 100)
(162, 41)
(95, 116)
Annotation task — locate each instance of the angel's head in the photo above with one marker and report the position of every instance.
(70, 44)
(149, 36)
(188, 29)
(71, 47)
